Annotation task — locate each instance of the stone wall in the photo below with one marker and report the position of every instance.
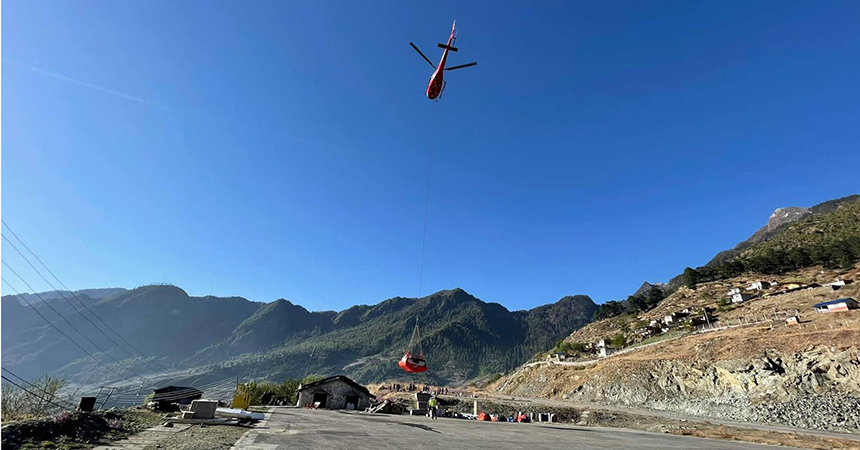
(337, 391)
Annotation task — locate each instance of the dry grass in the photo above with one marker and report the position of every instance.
(778, 307)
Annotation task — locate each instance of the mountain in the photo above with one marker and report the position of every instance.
(162, 321)
(97, 294)
(826, 234)
(647, 287)
(463, 336)
(777, 222)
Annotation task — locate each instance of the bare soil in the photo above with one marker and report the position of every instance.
(76, 430)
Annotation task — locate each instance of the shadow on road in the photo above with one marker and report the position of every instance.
(415, 425)
(584, 430)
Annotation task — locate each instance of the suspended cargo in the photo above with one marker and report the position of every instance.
(412, 362)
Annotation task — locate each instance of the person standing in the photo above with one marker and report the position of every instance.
(433, 403)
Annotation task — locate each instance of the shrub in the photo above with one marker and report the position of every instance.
(620, 340)
(287, 388)
(16, 404)
(62, 417)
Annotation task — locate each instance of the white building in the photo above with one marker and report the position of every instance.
(740, 297)
(758, 285)
(839, 305)
(733, 291)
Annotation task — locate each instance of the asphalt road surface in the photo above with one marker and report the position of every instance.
(295, 428)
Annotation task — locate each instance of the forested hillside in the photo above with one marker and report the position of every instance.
(463, 336)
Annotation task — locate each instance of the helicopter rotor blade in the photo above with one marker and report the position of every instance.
(422, 55)
(461, 66)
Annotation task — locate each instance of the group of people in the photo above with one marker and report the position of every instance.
(412, 387)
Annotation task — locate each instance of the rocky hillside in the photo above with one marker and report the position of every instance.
(464, 337)
(827, 234)
(777, 223)
(766, 371)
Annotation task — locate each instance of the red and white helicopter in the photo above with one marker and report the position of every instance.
(437, 81)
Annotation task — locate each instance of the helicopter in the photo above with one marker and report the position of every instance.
(437, 81)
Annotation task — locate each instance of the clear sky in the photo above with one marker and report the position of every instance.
(279, 149)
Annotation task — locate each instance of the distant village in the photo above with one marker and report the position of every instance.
(694, 317)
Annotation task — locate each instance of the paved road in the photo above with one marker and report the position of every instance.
(295, 428)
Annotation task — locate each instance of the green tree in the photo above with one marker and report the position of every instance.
(623, 325)
(637, 303)
(620, 340)
(690, 277)
(609, 309)
(654, 297)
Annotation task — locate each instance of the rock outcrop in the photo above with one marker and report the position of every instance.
(817, 388)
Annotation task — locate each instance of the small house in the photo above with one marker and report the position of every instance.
(337, 392)
(673, 318)
(698, 320)
(605, 351)
(758, 286)
(836, 285)
(162, 397)
(733, 291)
(838, 305)
(646, 332)
(740, 297)
(793, 320)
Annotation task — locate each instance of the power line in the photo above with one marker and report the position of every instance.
(180, 393)
(70, 323)
(62, 317)
(144, 357)
(27, 382)
(222, 386)
(66, 299)
(34, 395)
(224, 382)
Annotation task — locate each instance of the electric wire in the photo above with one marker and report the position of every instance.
(62, 317)
(48, 269)
(223, 382)
(30, 384)
(223, 388)
(34, 395)
(66, 299)
(75, 308)
(181, 393)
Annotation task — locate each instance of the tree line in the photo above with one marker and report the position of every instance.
(832, 254)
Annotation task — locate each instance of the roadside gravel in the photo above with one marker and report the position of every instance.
(202, 437)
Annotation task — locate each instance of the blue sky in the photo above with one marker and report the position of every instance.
(279, 149)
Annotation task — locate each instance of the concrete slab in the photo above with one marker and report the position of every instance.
(203, 409)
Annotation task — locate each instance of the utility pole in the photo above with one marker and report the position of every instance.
(110, 391)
